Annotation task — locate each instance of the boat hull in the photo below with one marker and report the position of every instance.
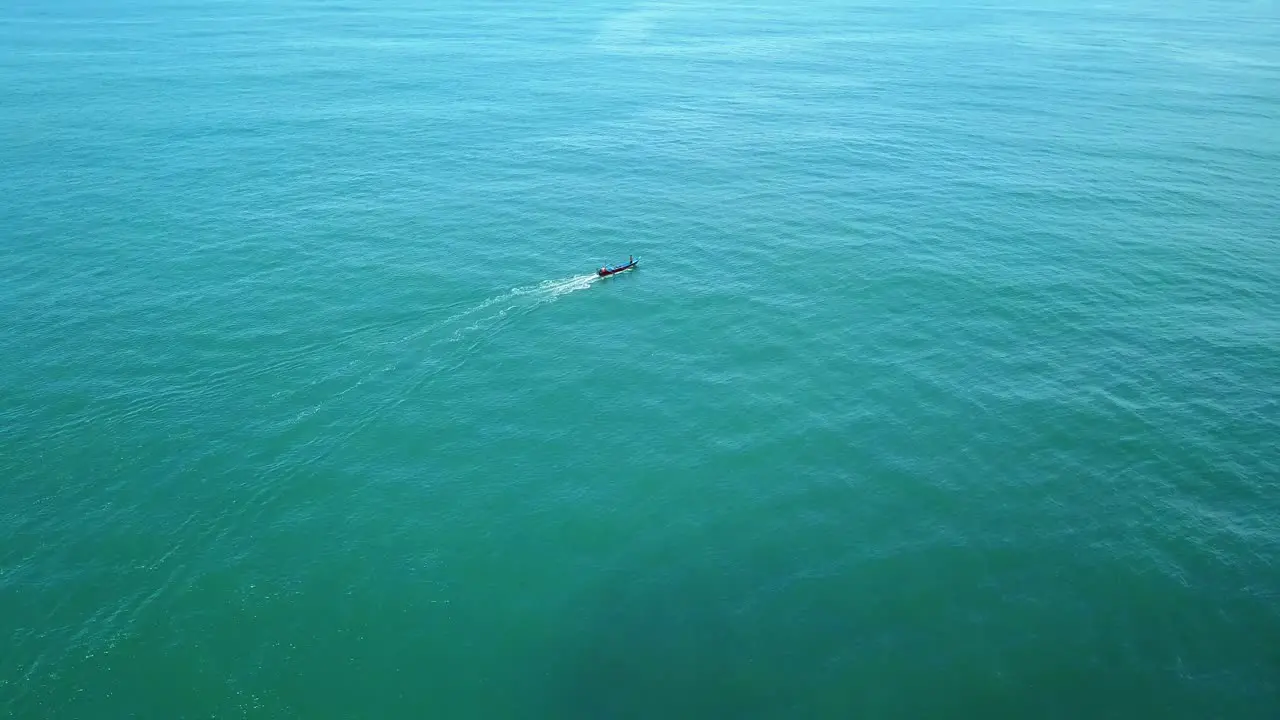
(606, 272)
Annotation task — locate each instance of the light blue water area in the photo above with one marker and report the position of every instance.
(946, 387)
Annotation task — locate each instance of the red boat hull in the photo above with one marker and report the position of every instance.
(606, 272)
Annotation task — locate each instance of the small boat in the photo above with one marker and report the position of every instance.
(608, 270)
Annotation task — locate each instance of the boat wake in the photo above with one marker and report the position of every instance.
(446, 344)
(327, 412)
(483, 320)
(398, 369)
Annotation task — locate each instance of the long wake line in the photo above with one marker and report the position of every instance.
(424, 354)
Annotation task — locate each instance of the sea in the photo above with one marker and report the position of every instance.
(947, 385)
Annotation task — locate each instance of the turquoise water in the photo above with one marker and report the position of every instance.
(947, 386)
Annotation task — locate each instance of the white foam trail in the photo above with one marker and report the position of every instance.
(423, 356)
(430, 351)
(514, 303)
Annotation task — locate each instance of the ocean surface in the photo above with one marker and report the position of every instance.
(948, 385)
